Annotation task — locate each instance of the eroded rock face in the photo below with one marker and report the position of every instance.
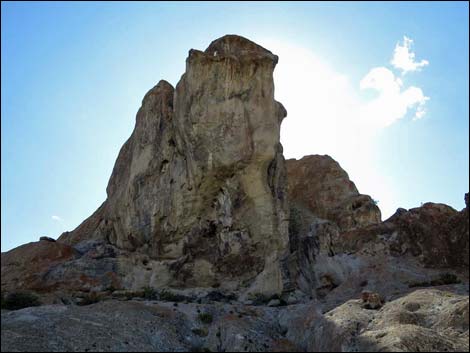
(423, 321)
(423, 247)
(319, 184)
(323, 203)
(337, 250)
(199, 186)
(436, 233)
(51, 268)
(25, 266)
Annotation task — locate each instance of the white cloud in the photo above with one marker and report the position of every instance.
(328, 114)
(404, 58)
(57, 218)
(392, 103)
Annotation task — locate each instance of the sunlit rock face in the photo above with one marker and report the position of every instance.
(200, 185)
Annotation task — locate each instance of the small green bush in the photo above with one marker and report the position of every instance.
(443, 279)
(19, 300)
(205, 318)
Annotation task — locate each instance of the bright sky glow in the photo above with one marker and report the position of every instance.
(315, 94)
(382, 87)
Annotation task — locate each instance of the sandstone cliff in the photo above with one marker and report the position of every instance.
(199, 187)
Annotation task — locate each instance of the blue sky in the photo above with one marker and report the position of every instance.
(74, 74)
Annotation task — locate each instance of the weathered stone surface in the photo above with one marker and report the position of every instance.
(424, 246)
(339, 247)
(199, 185)
(425, 320)
(436, 234)
(25, 266)
(319, 184)
(143, 326)
(52, 268)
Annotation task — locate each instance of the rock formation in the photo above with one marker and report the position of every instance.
(198, 190)
(335, 255)
(209, 240)
(319, 185)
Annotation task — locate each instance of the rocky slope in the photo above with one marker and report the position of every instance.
(339, 246)
(203, 214)
(426, 320)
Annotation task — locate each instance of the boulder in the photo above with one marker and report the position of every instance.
(47, 239)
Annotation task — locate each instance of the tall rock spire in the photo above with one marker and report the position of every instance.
(200, 184)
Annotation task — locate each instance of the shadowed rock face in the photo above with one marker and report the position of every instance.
(323, 203)
(338, 245)
(199, 185)
(319, 185)
(26, 265)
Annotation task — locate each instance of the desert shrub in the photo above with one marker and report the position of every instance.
(261, 299)
(445, 278)
(199, 348)
(205, 318)
(111, 289)
(220, 297)
(418, 284)
(168, 296)
(89, 299)
(149, 293)
(19, 300)
(202, 332)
